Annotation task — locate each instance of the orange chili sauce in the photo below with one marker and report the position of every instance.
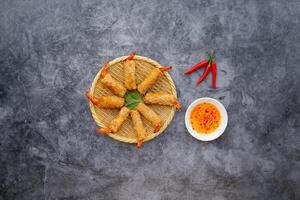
(205, 118)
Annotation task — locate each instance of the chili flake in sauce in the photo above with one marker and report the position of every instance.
(205, 118)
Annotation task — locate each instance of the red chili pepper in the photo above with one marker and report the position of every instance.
(205, 73)
(197, 66)
(214, 75)
(210, 65)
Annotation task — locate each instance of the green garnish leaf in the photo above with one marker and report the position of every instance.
(132, 99)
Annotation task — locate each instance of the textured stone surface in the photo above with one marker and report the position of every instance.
(50, 52)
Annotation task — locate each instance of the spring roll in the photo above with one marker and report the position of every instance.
(109, 102)
(129, 74)
(115, 86)
(152, 78)
(149, 80)
(138, 126)
(150, 115)
(117, 122)
(162, 99)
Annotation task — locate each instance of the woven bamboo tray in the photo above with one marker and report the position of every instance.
(143, 67)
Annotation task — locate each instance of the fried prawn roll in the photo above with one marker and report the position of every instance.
(152, 78)
(150, 115)
(117, 122)
(129, 72)
(108, 81)
(139, 128)
(106, 101)
(162, 99)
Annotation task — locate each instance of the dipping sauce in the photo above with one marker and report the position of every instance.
(205, 118)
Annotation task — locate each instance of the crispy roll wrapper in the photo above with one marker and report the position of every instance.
(160, 99)
(117, 122)
(138, 126)
(110, 102)
(129, 74)
(150, 115)
(115, 86)
(149, 80)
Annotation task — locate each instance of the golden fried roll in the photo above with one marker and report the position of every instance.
(110, 102)
(151, 79)
(162, 99)
(139, 128)
(150, 115)
(129, 74)
(115, 86)
(117, 122)
(106, 101)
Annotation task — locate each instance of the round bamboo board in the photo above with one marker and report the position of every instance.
(143, 67)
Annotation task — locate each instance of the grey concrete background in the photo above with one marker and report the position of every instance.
(50, 52)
